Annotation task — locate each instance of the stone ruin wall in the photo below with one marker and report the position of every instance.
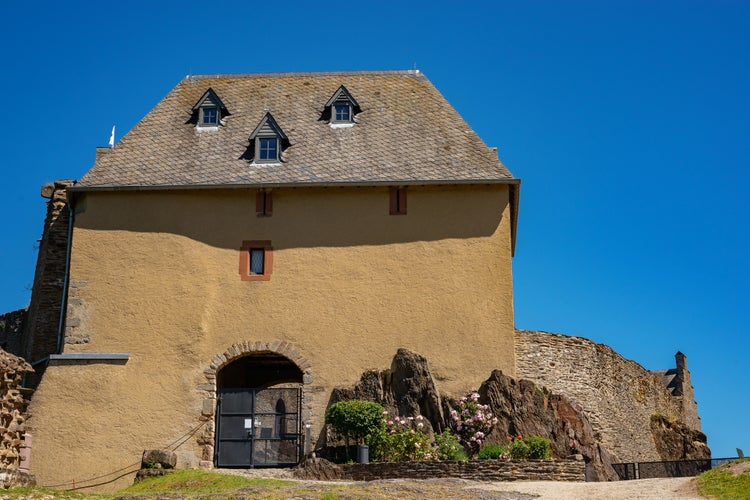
(40, 333)
(618, 395)
(686, 394)
(13, 416)
(12, 325)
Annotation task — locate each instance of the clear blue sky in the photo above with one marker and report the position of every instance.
(627, 121)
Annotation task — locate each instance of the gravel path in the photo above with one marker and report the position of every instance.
(642, 489)
(680, 488)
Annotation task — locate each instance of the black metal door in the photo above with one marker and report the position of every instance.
(258, 427)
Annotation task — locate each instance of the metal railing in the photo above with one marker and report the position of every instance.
(667, 468)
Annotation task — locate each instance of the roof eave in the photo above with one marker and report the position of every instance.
(390, 182)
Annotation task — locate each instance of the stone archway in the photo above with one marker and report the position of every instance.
(208, 389)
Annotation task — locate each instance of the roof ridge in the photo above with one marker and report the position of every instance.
(308, 73)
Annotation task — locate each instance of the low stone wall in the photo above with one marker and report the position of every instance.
(477, 470)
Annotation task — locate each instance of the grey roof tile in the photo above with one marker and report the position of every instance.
(406, 133)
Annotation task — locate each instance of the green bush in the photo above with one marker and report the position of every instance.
(491, 452)
(518, 449)
(355, 418)
(449, 447)
(539, 448)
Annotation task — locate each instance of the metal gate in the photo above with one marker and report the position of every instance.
(258, 427)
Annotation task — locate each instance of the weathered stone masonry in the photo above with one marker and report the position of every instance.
(476, 470)
(677, 381)
(12, 410)
(40, 336)
(12, 325)
(618, 395)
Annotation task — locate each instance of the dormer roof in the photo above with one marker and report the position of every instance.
(209, 98)
(341, 95)
(268, 128)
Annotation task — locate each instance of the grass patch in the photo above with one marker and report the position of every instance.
(41, 493)
(192, 481)
(725, 483)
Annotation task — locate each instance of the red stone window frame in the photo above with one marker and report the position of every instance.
(247, 247)
(263, 203)
(397, 201)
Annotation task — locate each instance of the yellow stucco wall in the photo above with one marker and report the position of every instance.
(155, 274)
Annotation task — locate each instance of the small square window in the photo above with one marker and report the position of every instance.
(209, 117)
(256, 260)
(342, 113)
(268, 149)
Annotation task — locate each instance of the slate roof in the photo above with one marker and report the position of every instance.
(406, 133)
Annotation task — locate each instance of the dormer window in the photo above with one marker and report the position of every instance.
(341, 108)
(268, 149)
(267, 141)
(209, 117)
(209, 111)
(342, 113)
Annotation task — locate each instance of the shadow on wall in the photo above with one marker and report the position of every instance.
(313, 217)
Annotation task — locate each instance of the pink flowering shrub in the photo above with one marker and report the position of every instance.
(472, 422)
(401, 439)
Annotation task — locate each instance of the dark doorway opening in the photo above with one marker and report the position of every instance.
(258, 370)
(259, 412)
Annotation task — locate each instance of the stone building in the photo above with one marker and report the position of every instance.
(285, 231)
(253, 242)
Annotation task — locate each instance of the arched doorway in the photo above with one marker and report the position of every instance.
(258, 412)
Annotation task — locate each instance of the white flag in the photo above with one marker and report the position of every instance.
(112, 138)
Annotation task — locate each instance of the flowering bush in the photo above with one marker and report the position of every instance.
(472, 422)
(449, 447)
(401, 439)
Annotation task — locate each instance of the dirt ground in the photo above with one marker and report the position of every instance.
(642, 489)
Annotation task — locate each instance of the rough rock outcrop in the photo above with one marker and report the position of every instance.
(407, 388)
(158, 459)
(676, 441)
(318, 469)
(522, 408)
